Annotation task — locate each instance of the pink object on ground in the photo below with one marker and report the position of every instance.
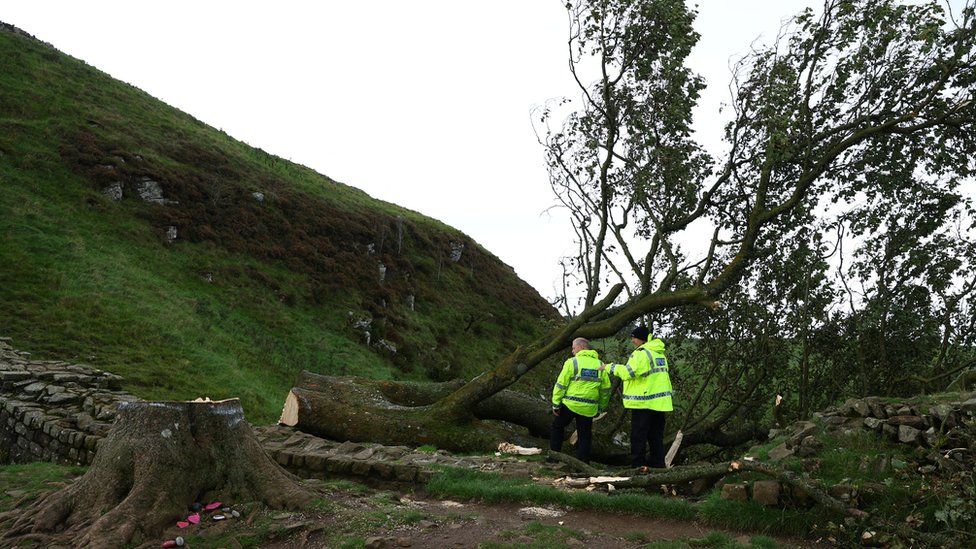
(194, 518)
(212, 506)
(182, 523)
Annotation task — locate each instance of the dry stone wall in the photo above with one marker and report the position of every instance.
(52, 410)
(56, 411)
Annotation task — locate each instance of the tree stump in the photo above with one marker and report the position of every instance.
(158, 458)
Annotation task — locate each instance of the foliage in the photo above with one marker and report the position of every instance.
(841, 210)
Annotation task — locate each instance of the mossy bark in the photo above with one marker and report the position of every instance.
(405, 413)
(159, 458)
(506, 405)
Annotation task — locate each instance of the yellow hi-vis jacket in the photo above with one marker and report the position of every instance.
(581, 386)
(647, 384)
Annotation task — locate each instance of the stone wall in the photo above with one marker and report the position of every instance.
(56, 411)
(52, 410)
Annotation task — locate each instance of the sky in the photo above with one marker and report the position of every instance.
(425, 104)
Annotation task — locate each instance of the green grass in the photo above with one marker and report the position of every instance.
(713, 511)
(753, 517)
(87, 279)
(490, 488)
(716, 540)
(19, 481)
(541, 536)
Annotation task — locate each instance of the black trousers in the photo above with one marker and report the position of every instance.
(584, 430)
(646, 428)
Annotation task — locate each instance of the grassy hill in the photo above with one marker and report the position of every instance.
(274, 268)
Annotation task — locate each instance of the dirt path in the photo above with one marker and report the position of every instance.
(448, 523)
(504, 524)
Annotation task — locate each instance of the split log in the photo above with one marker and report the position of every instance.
(157, 459)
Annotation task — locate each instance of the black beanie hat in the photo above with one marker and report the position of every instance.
(640, 333)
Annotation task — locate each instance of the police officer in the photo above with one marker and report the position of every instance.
(647, 394)
(582, 390)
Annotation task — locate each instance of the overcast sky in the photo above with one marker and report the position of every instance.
(424, 103)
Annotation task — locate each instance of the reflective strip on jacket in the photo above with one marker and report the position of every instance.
(647, 384)
(581, 386)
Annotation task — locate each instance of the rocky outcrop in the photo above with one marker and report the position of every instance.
(53, 410)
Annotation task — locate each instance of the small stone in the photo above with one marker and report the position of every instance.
(872, 423)
(735, 491)
(539, 512)
(34, 388)
(235, 513)
(426, 524)
(63, 398)
(766, 492)
(911, 421)
(219, 517)
(150, 191)
(810, 446)
(780, 452)
(258, 196)
(403, 542)
(375, 542)
(843, 492)
(908, 435)
(861, 408)
(855, 407)
(833, 421)
(113, 191)
(942, 413)
(171, 234)
(457, 248)
(196, 507)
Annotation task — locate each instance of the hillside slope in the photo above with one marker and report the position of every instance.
(138, 239)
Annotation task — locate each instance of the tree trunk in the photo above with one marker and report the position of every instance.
(159, 458)
(360, 413)
(403, 413)
(506, 405)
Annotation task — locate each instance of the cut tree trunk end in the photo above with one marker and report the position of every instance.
(158, 458)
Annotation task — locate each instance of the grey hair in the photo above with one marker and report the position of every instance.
(581, 342)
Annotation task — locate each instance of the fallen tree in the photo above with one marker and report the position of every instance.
(158, 458)
(801, 136)
(351, 408)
